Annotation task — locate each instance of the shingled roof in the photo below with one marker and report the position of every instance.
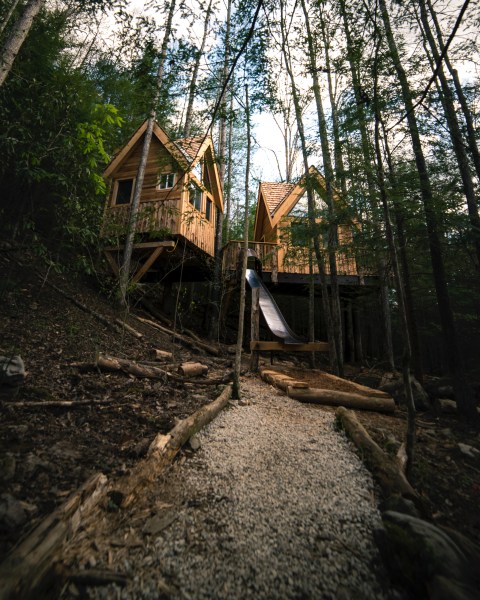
(190, 146)
(275, 193)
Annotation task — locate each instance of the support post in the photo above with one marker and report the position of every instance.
(255, 327)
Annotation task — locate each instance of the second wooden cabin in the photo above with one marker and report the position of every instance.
(281, 237)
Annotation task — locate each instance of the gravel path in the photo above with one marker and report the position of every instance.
(274, 504)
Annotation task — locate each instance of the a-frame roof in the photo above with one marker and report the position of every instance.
(277, 199)
(187, 152)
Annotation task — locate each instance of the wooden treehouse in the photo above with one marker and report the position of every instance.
(280, 239)
(281, 246)
(180, 198)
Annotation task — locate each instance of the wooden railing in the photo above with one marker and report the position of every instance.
(165, 217)
(266, 252)
(278, 258)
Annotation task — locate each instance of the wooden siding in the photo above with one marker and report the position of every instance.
(161, 211)
(285, 258)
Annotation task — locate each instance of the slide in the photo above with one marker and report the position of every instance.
(274, 318)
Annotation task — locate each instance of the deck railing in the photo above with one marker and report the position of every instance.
(278, 258)
(155, 217)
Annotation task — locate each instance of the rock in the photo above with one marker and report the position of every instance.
(429, 558)
(399, 504)
(469, 451)
(194, 443)
(394, 387)
(12, 371)
(12, 513)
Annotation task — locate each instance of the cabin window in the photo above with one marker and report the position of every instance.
(166, 181)
(300, 209)
(197, 171)
(299, 233)
(195, 196)
(124, 190)
(209, 210)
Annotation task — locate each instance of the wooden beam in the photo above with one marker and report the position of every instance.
(112, 262)
(281, 347)
(144, 245)
(147, 264)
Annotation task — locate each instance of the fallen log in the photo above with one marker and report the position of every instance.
(281, 380)
(155, 313)
(336, 398)
(197, 345)
(129, 328)
(164, 448)
(192, 369)
(24, 569)
(143, 369)
(385, 469)
(361, 389)
(60, 403)
(117, 324)
(163, 355)
(112, 363)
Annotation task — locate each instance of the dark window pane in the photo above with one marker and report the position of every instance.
(124, 191)
(208, 210)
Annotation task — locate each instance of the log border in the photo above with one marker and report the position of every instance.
(30, 562)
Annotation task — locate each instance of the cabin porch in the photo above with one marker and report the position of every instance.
(281, 264)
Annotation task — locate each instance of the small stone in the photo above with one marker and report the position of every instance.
(467, 450)
(194, 443)
(159, 522)
(243, 402)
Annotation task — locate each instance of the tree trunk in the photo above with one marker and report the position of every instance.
(455, 364)
(193, 82)
(17, 36)
(329, 177)
(217, 271)
(236, 392)
(8, 16)
(467, 113)
(447, 100)
(311, 203)
(132, 222)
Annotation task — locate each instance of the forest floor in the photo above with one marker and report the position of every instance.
(47, 451)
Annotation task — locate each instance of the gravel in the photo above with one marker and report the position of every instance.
(274, 503)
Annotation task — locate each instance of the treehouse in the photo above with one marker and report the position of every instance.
(281, 234)
(180, 198)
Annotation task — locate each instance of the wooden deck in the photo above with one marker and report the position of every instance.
(281, 262)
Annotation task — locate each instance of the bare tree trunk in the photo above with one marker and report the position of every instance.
(467, 113)
(193, 82)
(368, 161)
(217, 272)
(8, 16)
(406, 359)
(147, 139)
(227, 195)
(334, 361)
(17, 36)
(405, 268)
(447, 100)
(463, 394)
(329, 177)
(339, 165)
(236, 391)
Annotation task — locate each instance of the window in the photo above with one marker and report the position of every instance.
(300, 209)
(209, 210)
(299, 233)
(166, 181)
(124, 191)
(197, 171)
(195, 196)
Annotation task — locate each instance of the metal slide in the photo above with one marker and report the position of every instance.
(274, 318)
